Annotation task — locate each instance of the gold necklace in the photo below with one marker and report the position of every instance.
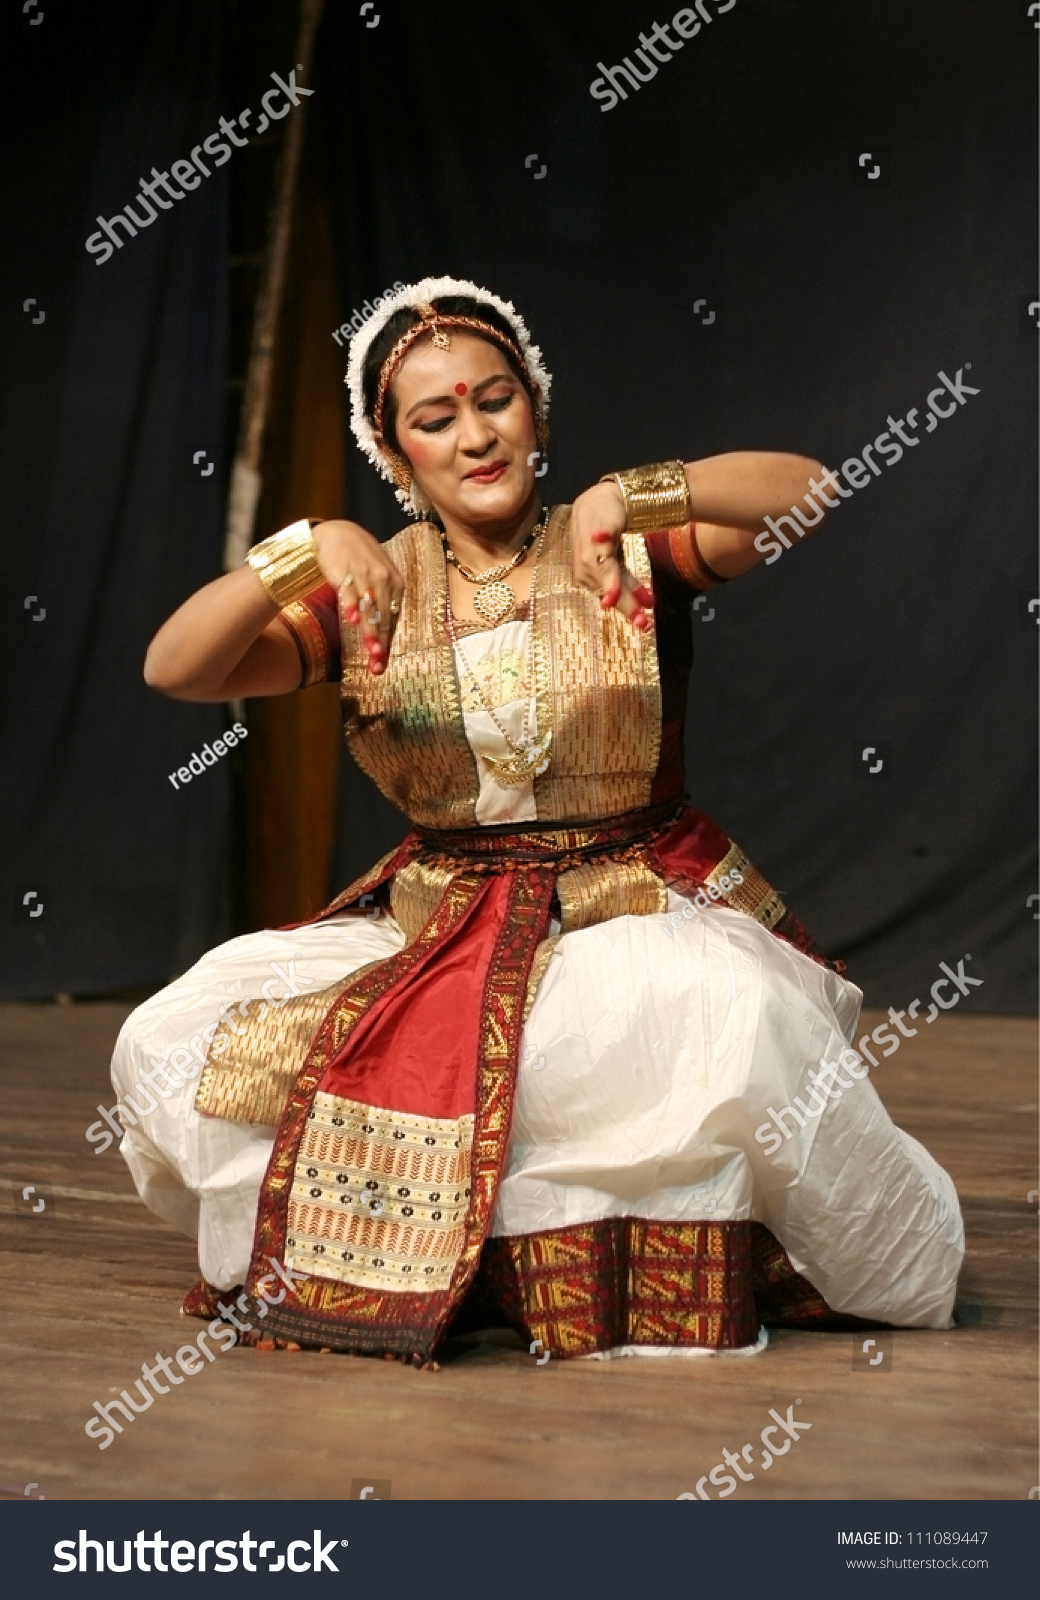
(495, 600)
(530, 757)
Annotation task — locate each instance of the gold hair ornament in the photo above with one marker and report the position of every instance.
(433, 322)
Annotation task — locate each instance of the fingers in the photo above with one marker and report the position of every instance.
(599, 565)
(348, 599)
(597, 526)
(597, 559)
(390, 598)
(375, 621)
(371, 601)
(635, 602)
(625, 594)
(369, 587)
(616, 586)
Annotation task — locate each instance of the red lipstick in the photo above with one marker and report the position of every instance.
(488, 474)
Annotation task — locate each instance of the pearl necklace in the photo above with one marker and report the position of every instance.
(530, 756)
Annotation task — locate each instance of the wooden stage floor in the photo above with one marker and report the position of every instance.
(94, 1282)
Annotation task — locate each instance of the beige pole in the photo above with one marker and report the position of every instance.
(246, 481)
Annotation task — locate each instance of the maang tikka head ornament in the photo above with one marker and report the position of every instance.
(439, 326)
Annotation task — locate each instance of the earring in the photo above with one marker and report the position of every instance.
(402, 473)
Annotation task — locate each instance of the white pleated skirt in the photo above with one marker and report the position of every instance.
(657, 1065)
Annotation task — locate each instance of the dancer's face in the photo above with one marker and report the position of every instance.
(465, 425)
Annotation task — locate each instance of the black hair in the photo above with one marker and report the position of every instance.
(458, 305)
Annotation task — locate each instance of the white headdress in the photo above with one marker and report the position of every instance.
(422, 294)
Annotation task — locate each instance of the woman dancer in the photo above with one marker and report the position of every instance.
(563, 1060)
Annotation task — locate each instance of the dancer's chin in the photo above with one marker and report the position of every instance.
(502, 499)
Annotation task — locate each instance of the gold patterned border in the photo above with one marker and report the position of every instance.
(416, 893)
(755, 896)
(626, 1281)
(324, 1310)
(597, 686)
(539, 967)
(405, 728)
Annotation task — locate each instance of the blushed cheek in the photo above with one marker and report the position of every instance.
(523, 433)
(422, 455)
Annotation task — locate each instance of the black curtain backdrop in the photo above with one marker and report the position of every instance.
(108, 521)
(732, 178)
(707, 267)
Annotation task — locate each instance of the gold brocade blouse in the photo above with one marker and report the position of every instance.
(597, 686)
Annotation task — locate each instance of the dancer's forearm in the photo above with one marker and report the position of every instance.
(743, 487)
(224, 642)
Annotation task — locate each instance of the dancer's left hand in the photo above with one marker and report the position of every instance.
(597, 526)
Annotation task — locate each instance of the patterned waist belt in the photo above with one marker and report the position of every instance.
(600, 867)
(504, 848)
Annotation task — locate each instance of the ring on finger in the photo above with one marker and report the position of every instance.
(395, 607)
(347, 579)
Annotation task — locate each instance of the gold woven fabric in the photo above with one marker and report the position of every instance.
(626, 1280)
(379, 1198)
(599, 890)
(755, 896)
(589, 894)
(597, 686)
(404, 728)
(415, 894)
(543, 954)
(254, 1059)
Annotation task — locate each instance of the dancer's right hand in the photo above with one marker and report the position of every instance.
(369, 586)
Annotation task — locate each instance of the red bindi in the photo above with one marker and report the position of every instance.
(460, 388)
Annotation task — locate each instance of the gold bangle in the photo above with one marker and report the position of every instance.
(657, 496)
(287, 564)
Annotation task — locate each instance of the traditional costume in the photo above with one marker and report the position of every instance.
(563, 1060)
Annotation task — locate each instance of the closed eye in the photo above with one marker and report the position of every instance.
(493, 403)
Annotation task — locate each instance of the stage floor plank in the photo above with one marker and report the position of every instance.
(94, 1283)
